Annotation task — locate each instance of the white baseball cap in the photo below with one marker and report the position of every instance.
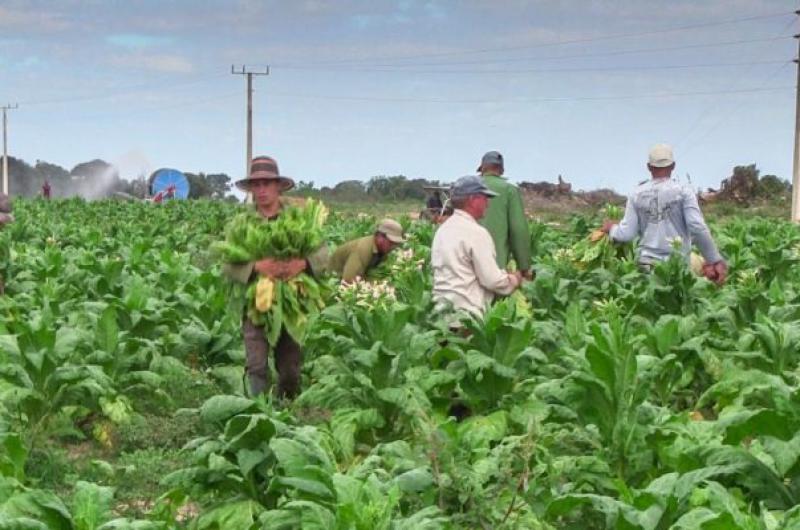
(661, 156)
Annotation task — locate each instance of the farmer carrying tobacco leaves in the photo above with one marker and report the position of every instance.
(663, 212)
(275, 251)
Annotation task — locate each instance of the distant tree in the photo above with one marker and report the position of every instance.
(219, 184)
(305, 189)
(21, 178)
(398, 187)
(93, 168)
(138, 187)
(94, 179)
(350, 190)
(772, 187)
(198, 185)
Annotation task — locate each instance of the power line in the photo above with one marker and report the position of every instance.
(532, 100)
(563, 69)
(127, 91)
(400, 67)
(553, 43)
(718, 105)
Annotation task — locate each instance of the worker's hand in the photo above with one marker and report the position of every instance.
(716, 272)
(608, 224)
(528, 275)
(515, 278)
(6, 218)
(293, 267)
(271, 267)
(280, 269)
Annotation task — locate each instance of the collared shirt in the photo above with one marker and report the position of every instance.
(506, 222)
(354, 258)
(465, 272)
(663, 212)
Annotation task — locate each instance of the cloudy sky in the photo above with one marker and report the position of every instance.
(416, 87)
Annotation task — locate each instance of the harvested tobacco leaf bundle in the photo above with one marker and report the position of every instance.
(297, 233)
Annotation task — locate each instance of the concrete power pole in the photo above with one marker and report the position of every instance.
(6, 108)
(249, 73)
(796, 160)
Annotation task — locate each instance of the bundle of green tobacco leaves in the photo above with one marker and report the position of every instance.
(297, 233)
(597, 249)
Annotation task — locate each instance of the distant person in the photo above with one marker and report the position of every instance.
(465, 271)
(435, 201)
(505, 219)
(662, 211)
(5, 218)
(355, 258)
(266, 185)
(46, 190)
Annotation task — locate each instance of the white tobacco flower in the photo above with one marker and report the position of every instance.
(564, 254)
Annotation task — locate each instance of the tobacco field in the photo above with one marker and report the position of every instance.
(600, 398)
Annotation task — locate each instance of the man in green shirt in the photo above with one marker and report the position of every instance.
(505, 218)
(353, 259)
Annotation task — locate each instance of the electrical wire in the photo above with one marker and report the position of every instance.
(567, 69)
(718, 105)
(126, 91)
(530, 100)
(553, 43)
(400, 67)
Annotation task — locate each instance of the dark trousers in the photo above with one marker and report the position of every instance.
(288, 359)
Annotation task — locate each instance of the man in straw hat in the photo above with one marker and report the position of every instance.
(465, 271)
(662, 212)
(266, 184)
(355, 258)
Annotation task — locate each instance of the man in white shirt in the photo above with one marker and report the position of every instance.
(465, 271)
(662, 211)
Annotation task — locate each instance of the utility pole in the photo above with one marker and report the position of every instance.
(796, 160)
(6, 108)
(249, 73)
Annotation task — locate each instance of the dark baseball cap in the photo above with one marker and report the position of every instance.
(470, 185)
(492, 157)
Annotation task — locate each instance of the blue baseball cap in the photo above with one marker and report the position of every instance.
(470, 185)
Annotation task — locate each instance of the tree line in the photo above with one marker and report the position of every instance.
(97, 179)
(382, 188)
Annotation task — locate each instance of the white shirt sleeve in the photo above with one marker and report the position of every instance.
(697, 227)
(628, 228)
(489, 275)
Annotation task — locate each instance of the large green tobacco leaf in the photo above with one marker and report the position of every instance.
(39, 505)
(221, 408)
(242, 514)
(91, 505)
(13, 455)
